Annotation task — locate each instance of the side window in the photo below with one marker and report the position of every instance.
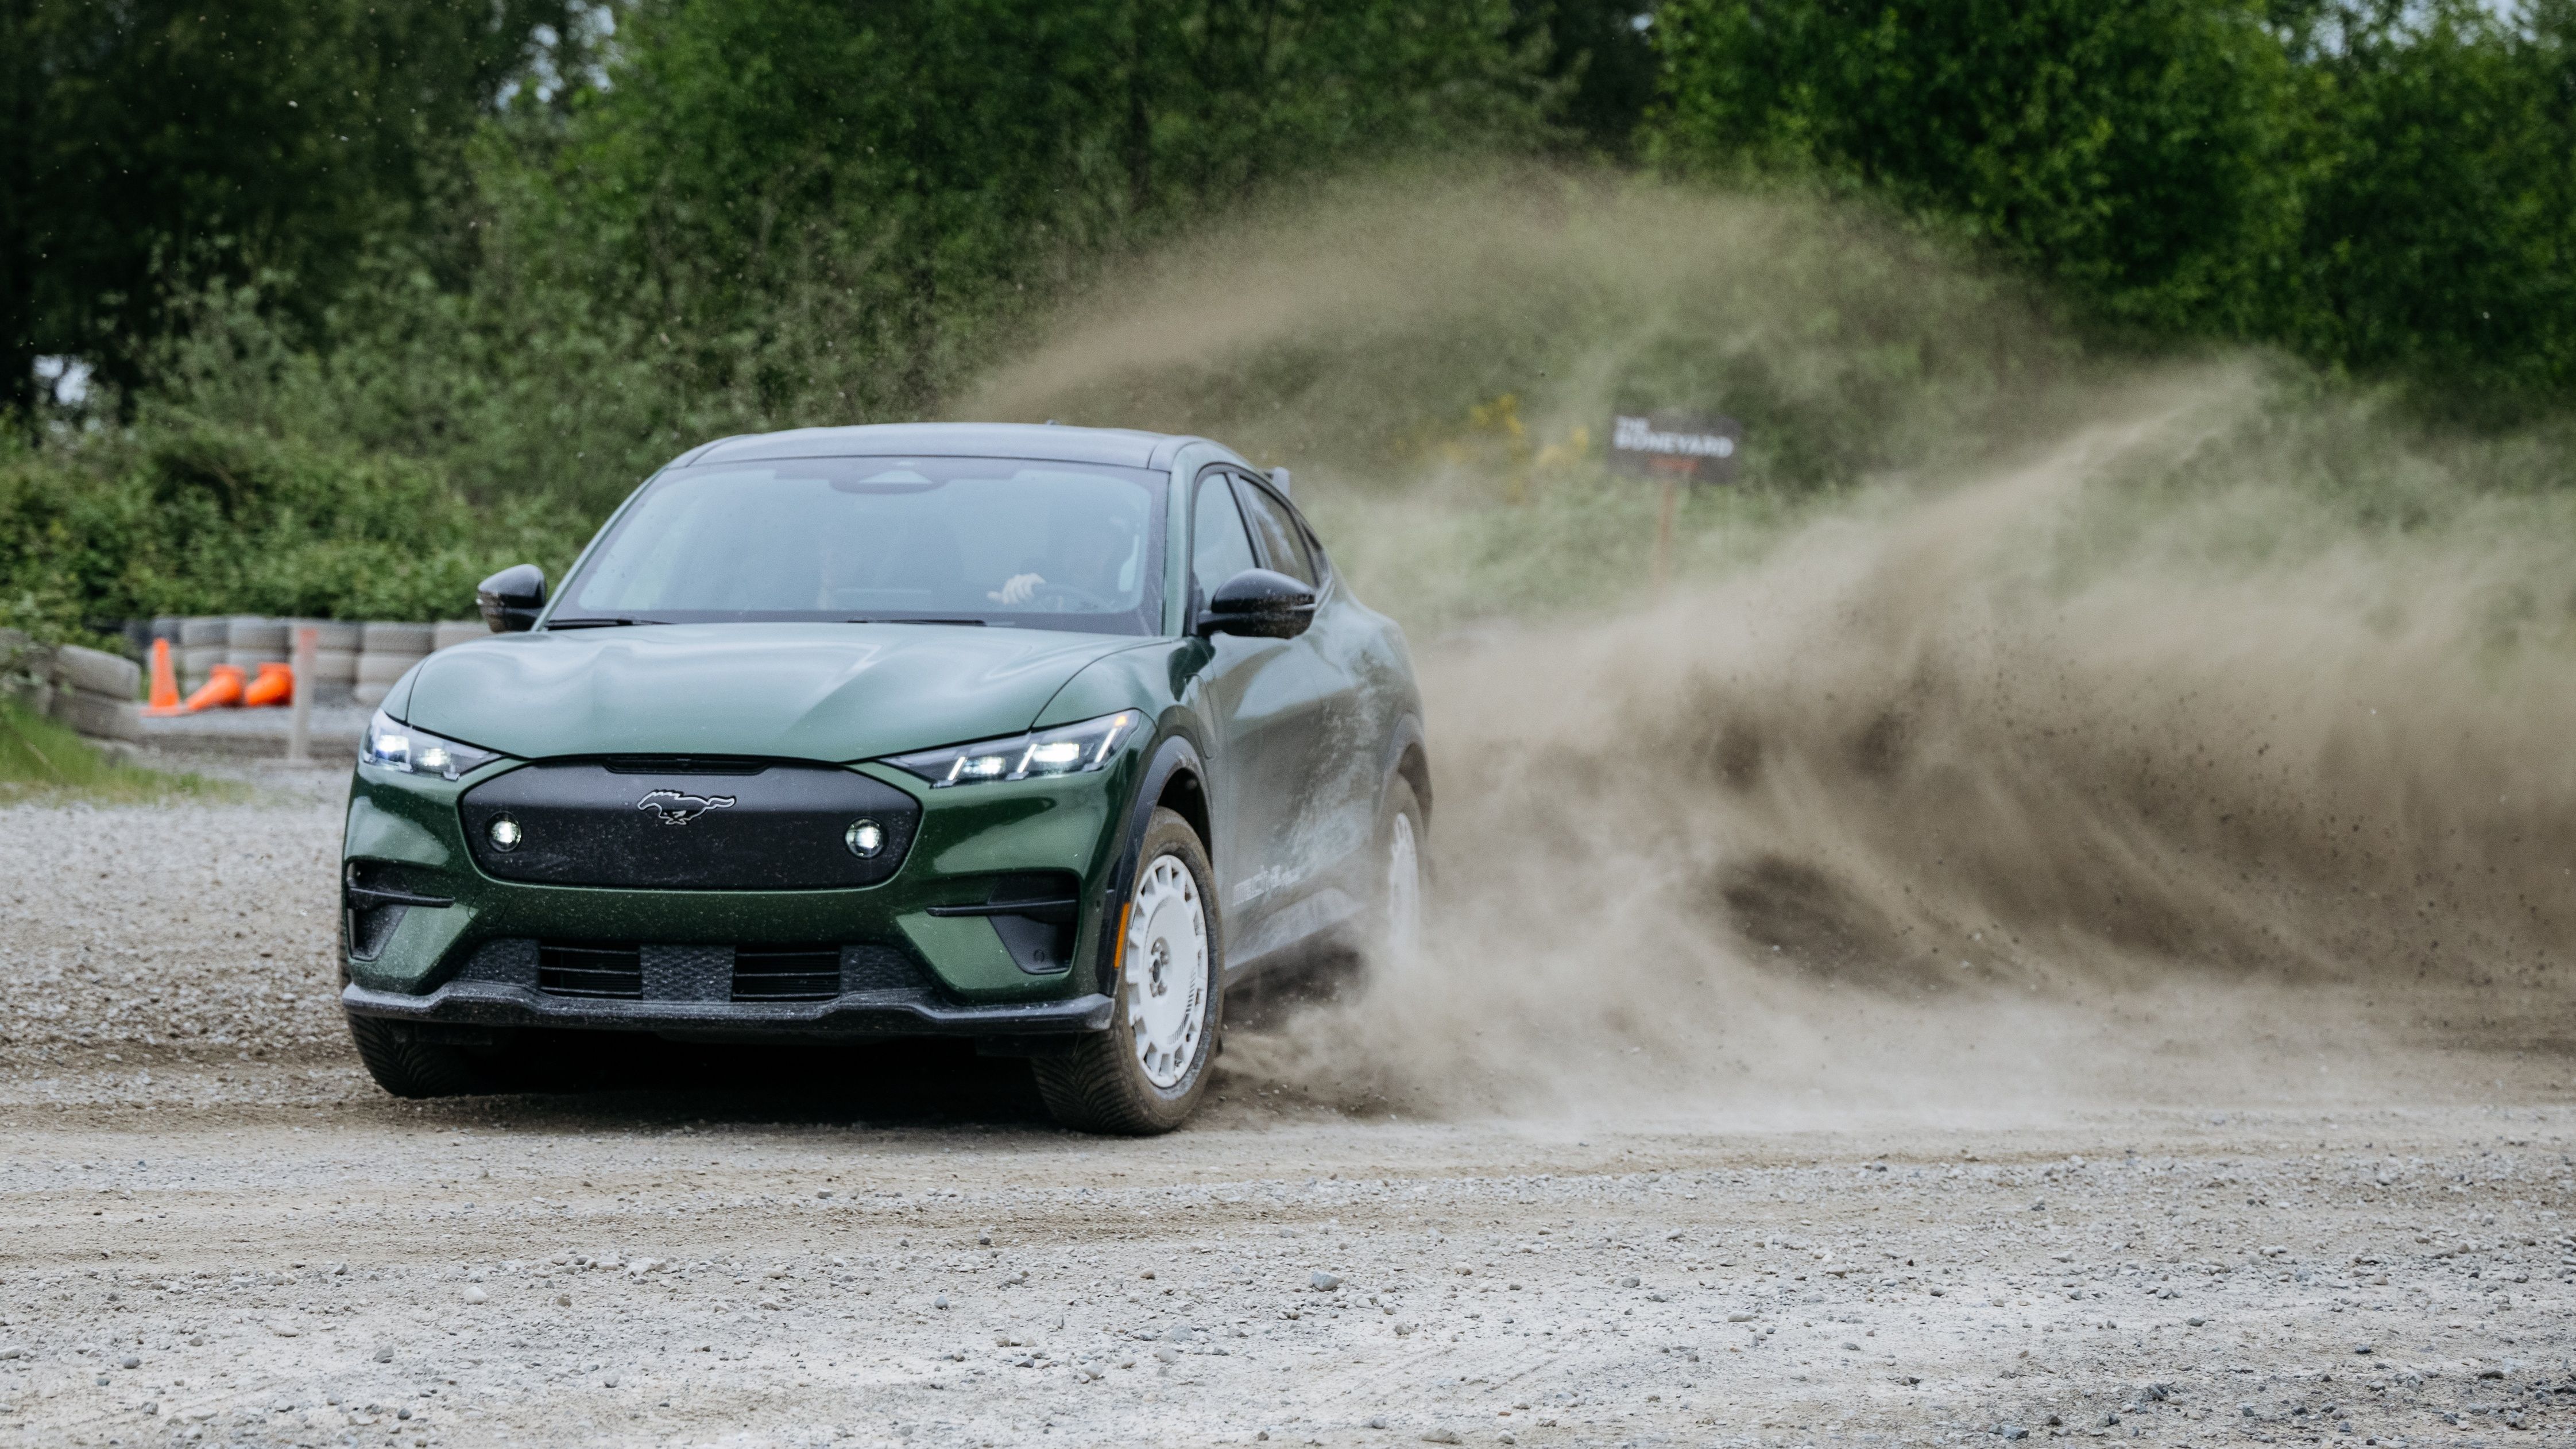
(1314, 546)
(1276, 527)
(1219, 550)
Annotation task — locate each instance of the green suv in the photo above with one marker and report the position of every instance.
(1039, 736)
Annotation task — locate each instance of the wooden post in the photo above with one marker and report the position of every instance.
(1674, 449)
(299, 730)
(1663, 574)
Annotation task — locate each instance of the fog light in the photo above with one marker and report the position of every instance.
(504, 834)
(866, 838)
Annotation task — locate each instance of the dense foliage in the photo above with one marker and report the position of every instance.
(2387, 186)
(904, 172)
(152, 144)
(479, 269)
(382, 293)
(190, 516)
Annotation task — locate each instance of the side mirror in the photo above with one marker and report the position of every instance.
(1259, 604)
(512, 599)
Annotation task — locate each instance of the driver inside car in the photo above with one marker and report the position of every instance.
(897, 563)
(1080, 571)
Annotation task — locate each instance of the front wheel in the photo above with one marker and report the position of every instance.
(407, 1064)
(1147, 1072)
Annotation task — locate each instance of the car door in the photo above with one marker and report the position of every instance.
(1302, 723)
(1243, 817)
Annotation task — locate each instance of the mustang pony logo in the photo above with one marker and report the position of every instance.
(673, 808)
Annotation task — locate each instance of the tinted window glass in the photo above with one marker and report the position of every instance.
(998, 541)
(1314, 547)
(1278, 533)
(1220, 550)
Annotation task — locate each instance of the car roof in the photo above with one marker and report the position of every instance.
(1119, 447)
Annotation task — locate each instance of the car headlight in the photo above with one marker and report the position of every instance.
(396, 746)
(1073, 749)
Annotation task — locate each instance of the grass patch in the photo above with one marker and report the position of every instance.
(42, 758)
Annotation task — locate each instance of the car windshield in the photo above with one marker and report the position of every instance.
(996, 541)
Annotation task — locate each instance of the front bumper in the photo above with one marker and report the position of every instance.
(955, 941)
(856, 1014)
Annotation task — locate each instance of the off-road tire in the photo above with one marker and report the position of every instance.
(404, 1065)
(1099, 1086)
(1402, 806)
(407, 1066)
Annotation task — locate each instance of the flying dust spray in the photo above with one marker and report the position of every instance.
(2111, 735)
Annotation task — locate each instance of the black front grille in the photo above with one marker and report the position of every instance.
(590, 968)
(786, 973)
(698, 825)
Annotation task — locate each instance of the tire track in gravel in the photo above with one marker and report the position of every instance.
(174, 1199)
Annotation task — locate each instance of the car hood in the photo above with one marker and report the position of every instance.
(790, 691)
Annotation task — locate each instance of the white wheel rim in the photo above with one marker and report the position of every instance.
(1403, 889)
(1166, 970)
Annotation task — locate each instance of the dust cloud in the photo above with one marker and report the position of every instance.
(2080, 739)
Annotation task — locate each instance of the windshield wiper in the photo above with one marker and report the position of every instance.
(978, 623)
(595, 623)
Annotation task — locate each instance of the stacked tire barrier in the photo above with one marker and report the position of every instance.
(385, 651)
(94, 692)
(200, 648)
(335, 657)
(99, 693)
(251, 641)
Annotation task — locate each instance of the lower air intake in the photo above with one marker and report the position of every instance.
(786, 973)
(591, 969)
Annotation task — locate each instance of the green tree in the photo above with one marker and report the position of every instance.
(2132, 151)
(2439, 228)
(2384, 185)
(1599, 51)
(909, 169)
(154, 141)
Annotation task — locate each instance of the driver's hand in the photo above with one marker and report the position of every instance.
(1016, 589)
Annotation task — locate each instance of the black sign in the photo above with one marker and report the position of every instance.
(1692, 447)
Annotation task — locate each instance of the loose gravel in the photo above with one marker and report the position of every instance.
(222, 1234)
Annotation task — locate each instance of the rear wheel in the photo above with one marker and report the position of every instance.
(1147, 1072)
(1398, 933)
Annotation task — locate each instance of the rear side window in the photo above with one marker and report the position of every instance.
(1218, 548)
(1276, 527)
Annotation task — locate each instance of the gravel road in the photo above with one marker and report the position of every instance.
(224, 1234)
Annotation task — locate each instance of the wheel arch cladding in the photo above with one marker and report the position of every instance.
(1185, 795)
(1413, 763)
(1175, 772)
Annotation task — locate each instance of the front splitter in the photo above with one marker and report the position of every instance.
(856, 1014)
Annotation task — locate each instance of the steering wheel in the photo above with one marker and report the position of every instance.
(1066, 599)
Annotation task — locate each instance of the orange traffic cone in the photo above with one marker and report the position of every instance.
(275, 685)
(223, 686)
(165, 685)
